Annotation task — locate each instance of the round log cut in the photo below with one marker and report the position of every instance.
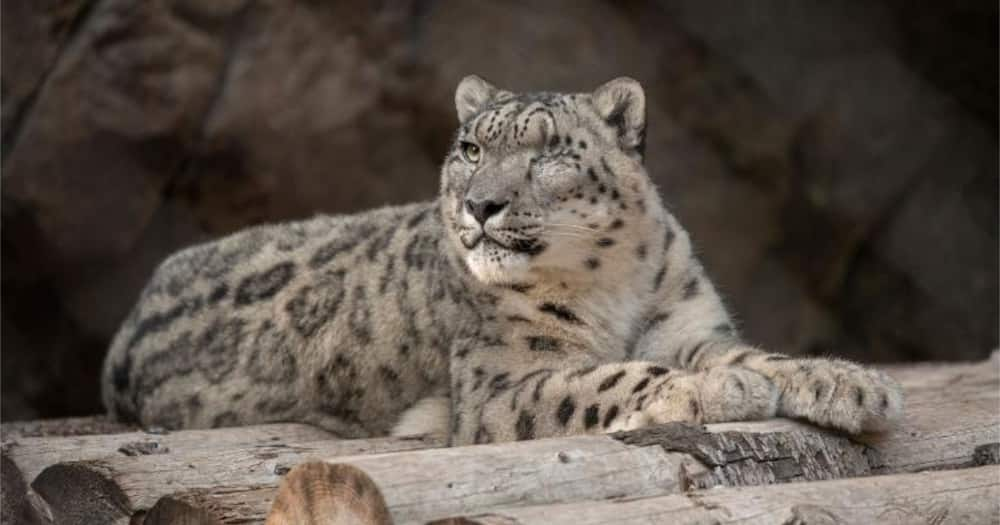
(318, 493)
(176, 513)
(17, 504)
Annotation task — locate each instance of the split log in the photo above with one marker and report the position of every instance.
(116, 489)
(968, 496)
(950, 422)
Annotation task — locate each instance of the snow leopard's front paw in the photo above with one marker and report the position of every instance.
(713, 396)
(838, 394)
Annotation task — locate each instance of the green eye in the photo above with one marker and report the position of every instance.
(471, 152)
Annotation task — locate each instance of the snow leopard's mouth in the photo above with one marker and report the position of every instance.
(471, 243)
(525, 246)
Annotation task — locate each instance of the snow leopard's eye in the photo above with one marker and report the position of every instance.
(471, 152)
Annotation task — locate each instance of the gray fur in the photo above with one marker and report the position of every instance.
(570, 303)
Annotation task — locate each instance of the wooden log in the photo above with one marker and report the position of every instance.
(932, 376)
(18, 504)
(116, 489)
(72, 426)
(970, 496)
(430, 484)
(34, 454)
(420, 486)
(951, 421)
(440, 482)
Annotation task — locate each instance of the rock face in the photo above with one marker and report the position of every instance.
(835, 162)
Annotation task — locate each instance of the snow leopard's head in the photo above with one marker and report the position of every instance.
(542, 183)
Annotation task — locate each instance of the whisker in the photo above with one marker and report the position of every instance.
(569, 235)
(572, 226)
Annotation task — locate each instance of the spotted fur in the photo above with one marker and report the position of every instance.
(546, 292)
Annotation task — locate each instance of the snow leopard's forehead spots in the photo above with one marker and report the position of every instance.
(543, 181)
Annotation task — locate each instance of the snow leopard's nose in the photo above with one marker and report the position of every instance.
(484, 209)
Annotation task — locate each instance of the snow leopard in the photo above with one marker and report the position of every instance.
(546, 291)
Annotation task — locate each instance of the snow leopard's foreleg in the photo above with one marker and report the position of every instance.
(691, 330)
(557, 393)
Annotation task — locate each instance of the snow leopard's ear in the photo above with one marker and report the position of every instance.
(622, 104)
(474, 94)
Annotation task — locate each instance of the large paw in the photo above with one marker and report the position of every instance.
(838, 394)
(737, 394)
(715, 396)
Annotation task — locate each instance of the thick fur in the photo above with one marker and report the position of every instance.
(546, 292)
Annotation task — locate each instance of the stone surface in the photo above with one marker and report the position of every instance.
(836, 163)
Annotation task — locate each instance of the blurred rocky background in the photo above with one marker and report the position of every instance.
(836, 162)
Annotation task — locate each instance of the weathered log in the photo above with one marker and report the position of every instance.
(34, 454)
(951, 418)
(934, 375)
(113, 489)
(440, 482)
(950, 427)
(968, 496)
(18, 504)
(950, 422)
(71, 426)
(25, 457)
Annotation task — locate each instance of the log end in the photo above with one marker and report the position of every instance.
(173, 511)
(17, 503)
(81, 493)
(323, 493)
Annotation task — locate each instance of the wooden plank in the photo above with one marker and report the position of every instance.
(115, 489)
(434, 483)
(970, 496)
(34, 454)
